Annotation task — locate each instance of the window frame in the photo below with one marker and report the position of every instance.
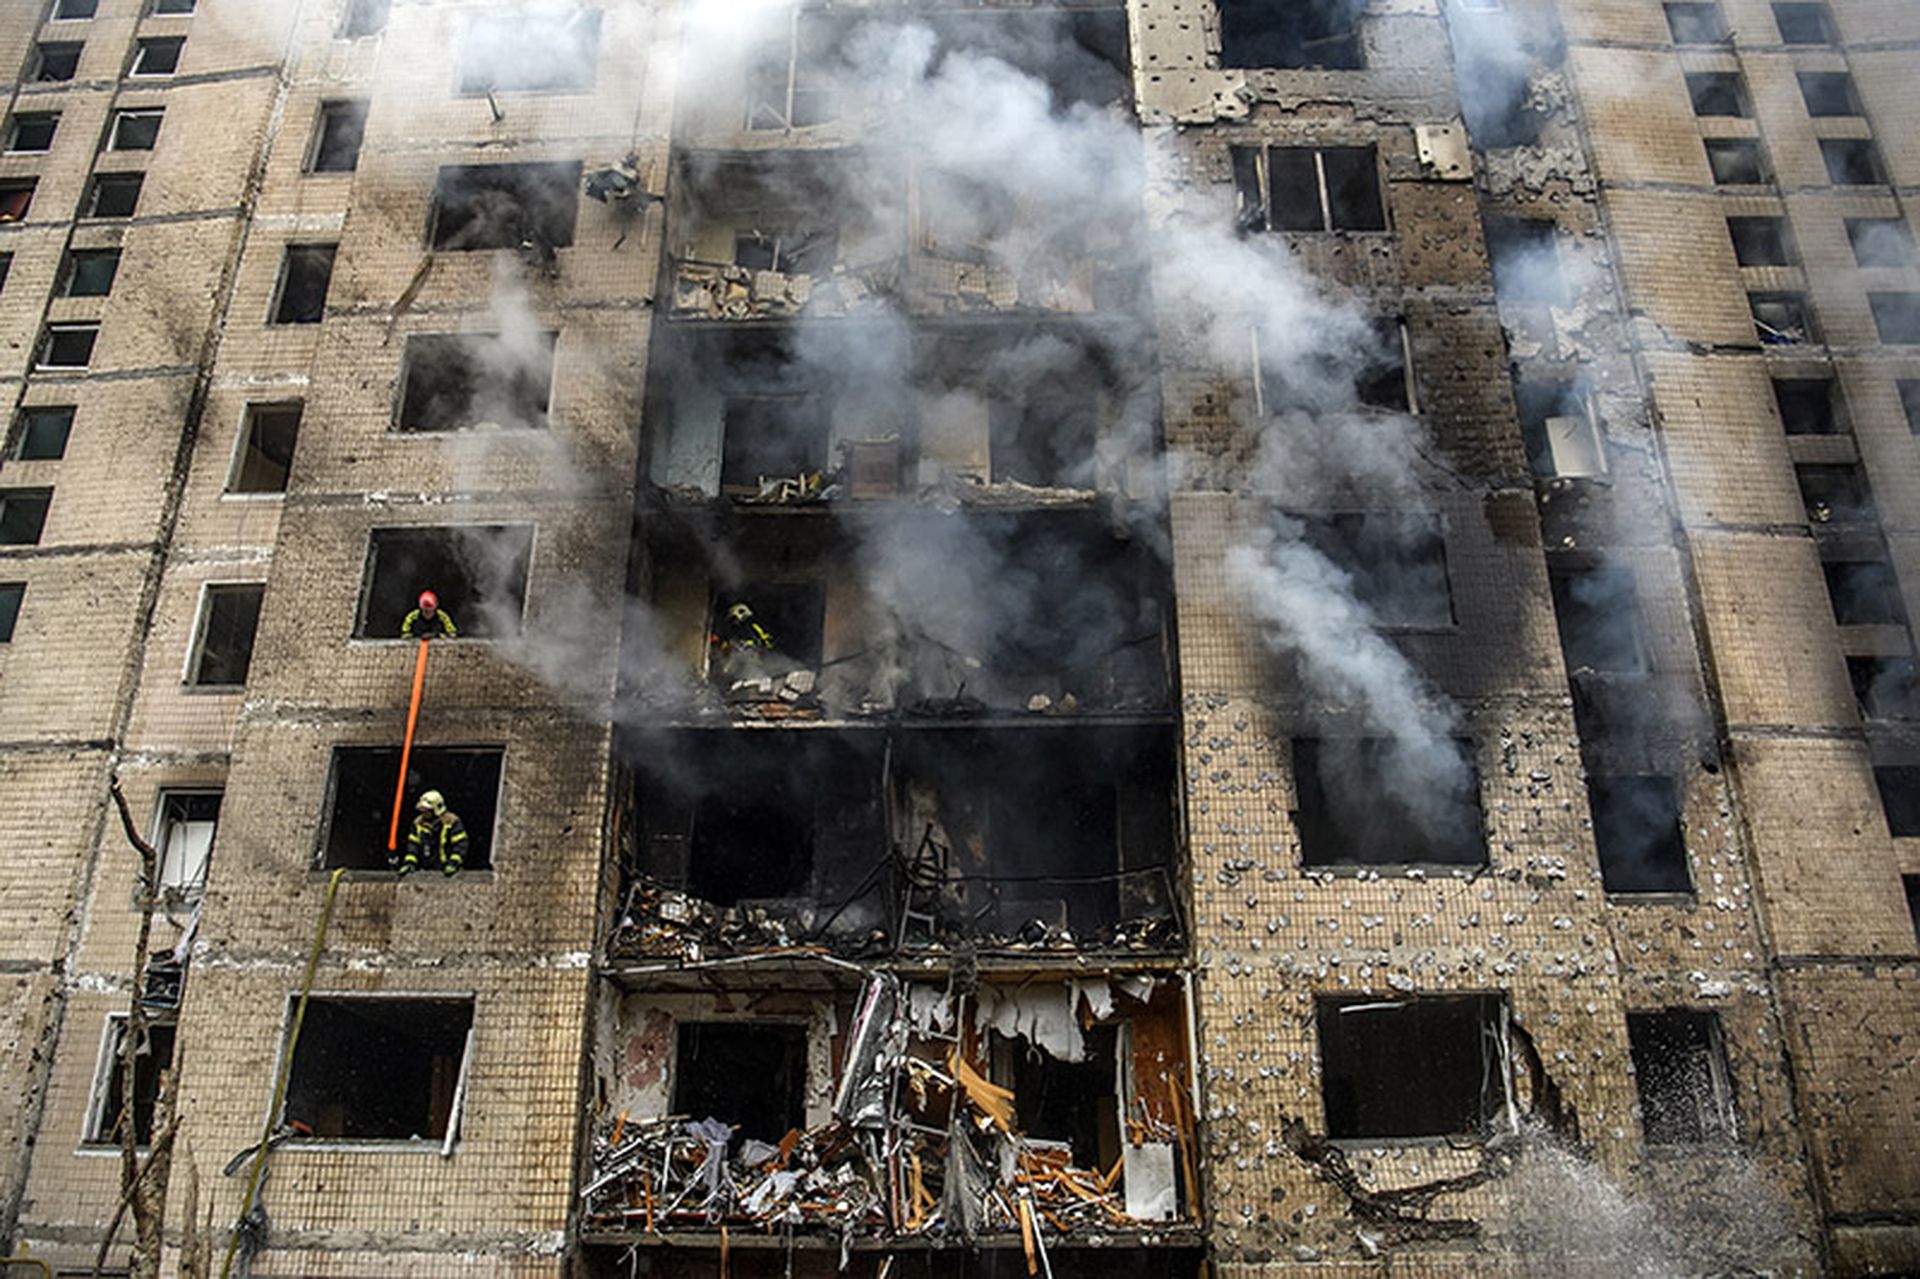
(57, 14)
(50, 118)
(134, 179)
(444, 1146)
(69, 271)
(1858, 148)
(189, 890)
(41, 355)
(122, 116)
(237, 463)
(289, 254)
(59, 49)
(13, 602)
(202, 614)
(16, 452)
(1263, 177)
(41, 492)
(148, 44)
(96, 1126)
(159, 9)
(329, 111)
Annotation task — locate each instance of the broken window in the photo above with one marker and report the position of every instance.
(1717, 93)
(379, 1068)
(306, 271)
(479, 571)
(16, 197)
(505, 206)
(1896, 317)
(1397, 561)
(1597, 610)
(135, 130)
(1386, 381)
(1397, 1068)
(223, 644)
(159, 56)
(1066, 1101)
(1696, 24)
(337, 135)
(108, 1103)
(1881, 241)
(70, 10)
(68, 346)
(752, 1075)
(44, 429)
(771, 437)
(114, 195)
(1374, 801)
(1558, 430)
(32, 131)
(360, 794)
(1308, 189)
(1885, 687)
(56, 63)
(1680, 1073)
(12, 595)
(1852, 162)
(6, 268)
(1804, 23)
(1526, 261)
(785, 632)
(188, 821)
(1044, 434)
(1834, 492)
(1808, 406)
(1864, 591)
(1912, 884)
(1829, 93)
(790, 83)
(23, 514)
(1760, 241)
(462, 381)
(90, 272)
(364, 18)
(800, 252)
(1899, 787)
(1291, 33)
(1736, 161)
(1781, 319)
(1908, 389)
(267, 438)
(1636, 828)
(542, 49)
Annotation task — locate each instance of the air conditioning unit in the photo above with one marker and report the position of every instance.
(1575, 445)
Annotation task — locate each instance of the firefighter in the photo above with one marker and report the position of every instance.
(429, 621)
(437, 835)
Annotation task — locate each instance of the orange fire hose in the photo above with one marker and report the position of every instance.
(406, 746)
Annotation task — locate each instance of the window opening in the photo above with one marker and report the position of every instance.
(479, 571)
(268, 437)
(1912, 884)
(751, 1075)
(1781, 319)
(1283, 33)
(465, 381)
(364, 18)
(1808, 406)
(189, 819)
(1636, 829)
(1899, 787)
(1597, 611)
(23, 515)
(1696, 24)
(16, 197)
(223, 650)
(165, 8)
(1829, 93)
(1309, 189)
(1526, 261)
(1399, 1068)
(530, 51)
(1804, 23)
(1680, 1073)
(1884, 242)
(69, 346)
(771, 437)
(505, 206)
(135, 130)
(306, 272)
(360, 800)
(114, 195)
(1897, 317)
(72, 10)
(380, 1069)
(1864, 592)
(1557, 427)
(1043, 433)
(32, 131)
(1759, 241)
(109, 1099)
(56, 63)
(790, 84)
(798, 252)
(1072, 1102)
(1885, 687)
(1370, 801)
(44, 429)
(159, 56)
(12, 595)
(6, 268)
(1717, 93)
(1834, 492)
(1852, 162)
(90, 272)
(781, 631)
(341, 128)
(1908, 389)
(1736, 162)
(1397, 561)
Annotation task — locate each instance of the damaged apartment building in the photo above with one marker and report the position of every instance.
(1144, 637)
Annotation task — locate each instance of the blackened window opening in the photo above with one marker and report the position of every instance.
(379, 1069)
(1680, 1073)
(1804, 23)
(69, 346)
(114, 195)
(228, 621)
(505, 206)
(751, 1075)
(1717, 93)
(1912, 885)
(56, 63)
(1291, 33)
(159, 56)
(1046, 436)
(456, 381)
(1896, 317)
(1068, 1101)
(1864, 592)
(1375, 801)
(1899, 787)
(1400, 1068)
(1886, 687)
(266, 453)
(32, 131)
(1781, 319)
(360, 800)
(1834, 492)
(1636, 827)
(1852, 162)
(792, 615)
(1736, 161)
(90, 272)
(305, 275)
(1759, 241)
(1396, 560)
(771, 437)
(148, 1064)
(1597, 611)
(1908, 389)
(135, 130)
(341, 129)
(479, 572)
(44, 429)
(1808, 406)
(1309, 189)
(1829, 93)
(23, 515)
(12, 596)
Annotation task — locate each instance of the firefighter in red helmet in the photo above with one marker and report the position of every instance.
(429, 621)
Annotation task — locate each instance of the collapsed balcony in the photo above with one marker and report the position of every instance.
(1033, 1117)
(906, 612)
(910, 841)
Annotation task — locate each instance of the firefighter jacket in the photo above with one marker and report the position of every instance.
(419, 626)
